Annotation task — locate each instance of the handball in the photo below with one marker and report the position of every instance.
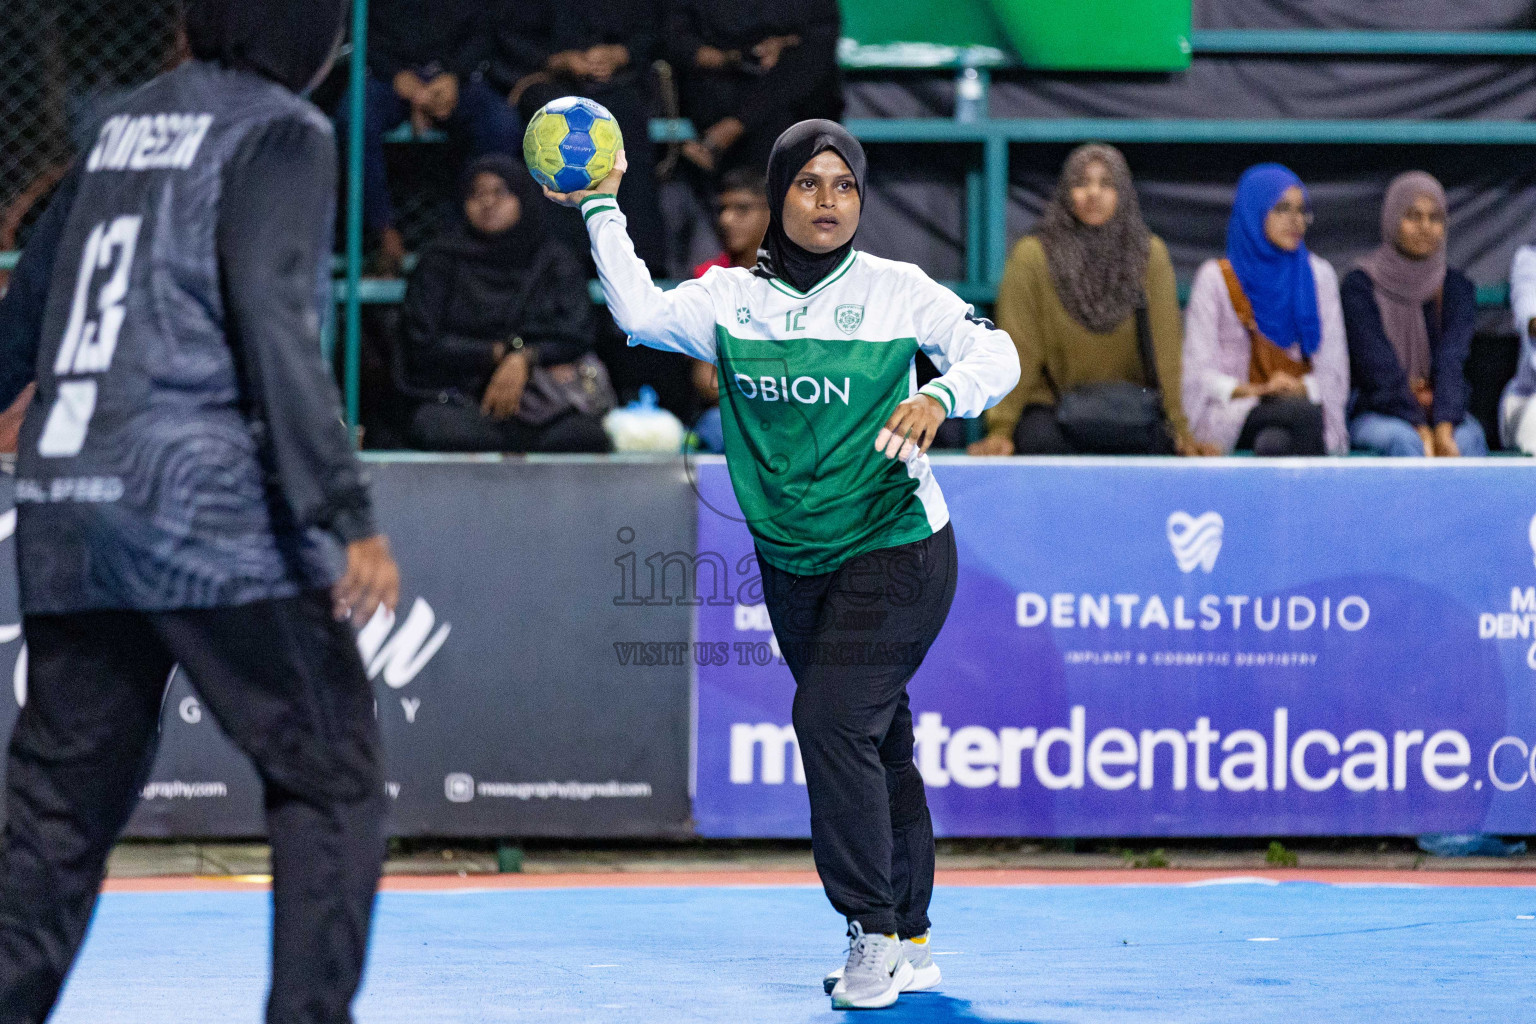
(571, 144)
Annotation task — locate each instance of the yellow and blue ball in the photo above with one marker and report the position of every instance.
(571, 144)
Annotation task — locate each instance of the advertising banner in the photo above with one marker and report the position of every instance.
(503, 709)
(1179, 648)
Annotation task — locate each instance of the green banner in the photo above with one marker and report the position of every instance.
(1084, 35)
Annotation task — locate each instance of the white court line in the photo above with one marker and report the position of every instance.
(1264, 938)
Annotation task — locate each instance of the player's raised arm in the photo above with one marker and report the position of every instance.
(680, 320)
(268, 250)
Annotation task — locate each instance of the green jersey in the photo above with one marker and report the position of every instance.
(807, 380)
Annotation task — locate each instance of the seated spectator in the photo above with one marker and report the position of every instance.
(422, 68)
(741, 221)
(1070, 298)
(1517, 413)
(1409, 320)
(1266, 368)
(750, 69)
(491, 301)
(602, 49)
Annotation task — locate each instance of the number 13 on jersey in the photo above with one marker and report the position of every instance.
(89, 343)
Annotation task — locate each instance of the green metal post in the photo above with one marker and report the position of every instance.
(359, 83)
(995, 174)
(975, 228)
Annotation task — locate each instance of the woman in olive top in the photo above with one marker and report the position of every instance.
(1069, 298)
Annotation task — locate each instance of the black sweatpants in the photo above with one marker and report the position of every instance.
(284, 680)
(853, 639)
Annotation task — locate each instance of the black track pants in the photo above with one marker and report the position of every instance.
(853, 638)
(286, 684)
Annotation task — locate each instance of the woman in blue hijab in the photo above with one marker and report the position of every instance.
(1265, 364)
(1277, 277)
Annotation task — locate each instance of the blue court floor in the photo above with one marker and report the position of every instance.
(1248, 952)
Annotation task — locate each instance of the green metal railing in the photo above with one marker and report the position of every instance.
(1347, 43)
(358, 84)
(989, 141)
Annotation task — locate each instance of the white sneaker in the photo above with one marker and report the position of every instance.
(876, 972)
(925, 973)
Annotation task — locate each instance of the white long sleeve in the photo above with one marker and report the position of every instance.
(1522, 301)
(978, 364)
(1522, 290)
(680, 320)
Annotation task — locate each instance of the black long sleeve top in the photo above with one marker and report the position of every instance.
(741, 24)
(276, 188)
(1378, 376)
(457, 309)
(404, 35)
(526, 33)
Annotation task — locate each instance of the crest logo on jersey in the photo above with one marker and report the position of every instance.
(848, 318)
(743, 315)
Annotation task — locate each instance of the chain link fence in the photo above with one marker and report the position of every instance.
(60, 62)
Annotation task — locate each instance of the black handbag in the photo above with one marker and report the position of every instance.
(1117, 417)
(552, 391)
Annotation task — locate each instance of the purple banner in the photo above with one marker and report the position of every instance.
(1179, 647)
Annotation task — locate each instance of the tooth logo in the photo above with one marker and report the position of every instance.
(1197, 541)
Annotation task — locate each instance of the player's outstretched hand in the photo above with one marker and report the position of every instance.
(911, 428)
(608, 186)
(372, 579)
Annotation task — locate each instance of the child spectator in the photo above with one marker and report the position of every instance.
(1266, 367)
(423, 62)
(752, 68)
(1070, 297)
(491, 301)
(1409, 320)
(741, 221)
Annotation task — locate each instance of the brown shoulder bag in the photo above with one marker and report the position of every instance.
(1267, 358)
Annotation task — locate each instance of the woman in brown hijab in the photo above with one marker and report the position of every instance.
(1409, 320)
(1069, 298)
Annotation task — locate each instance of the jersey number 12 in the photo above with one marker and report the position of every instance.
(90, 339)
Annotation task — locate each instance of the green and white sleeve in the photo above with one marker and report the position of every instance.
(977, 363)
(680, 320)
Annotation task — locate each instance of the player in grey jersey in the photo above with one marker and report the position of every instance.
(183, 478)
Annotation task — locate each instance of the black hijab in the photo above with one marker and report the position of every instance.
(800, 268)
(288, 41)
(515, 248)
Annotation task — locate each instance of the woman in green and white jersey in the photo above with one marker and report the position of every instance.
(826, 434)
